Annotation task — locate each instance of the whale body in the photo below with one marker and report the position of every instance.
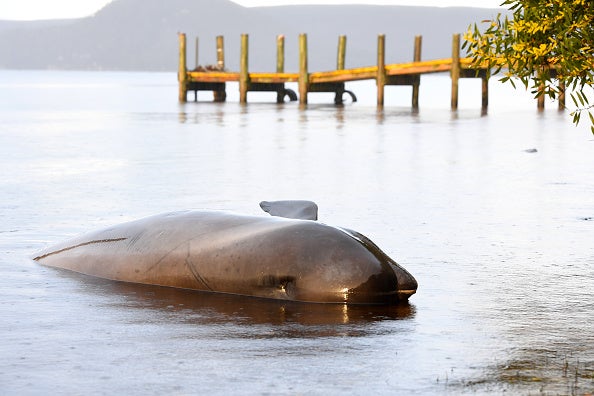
(260, 256)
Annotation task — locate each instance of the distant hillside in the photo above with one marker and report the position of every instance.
(142, 34)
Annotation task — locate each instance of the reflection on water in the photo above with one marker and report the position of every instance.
(490, 212)
(291, 319)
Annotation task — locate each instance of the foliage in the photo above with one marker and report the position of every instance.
(546, 44)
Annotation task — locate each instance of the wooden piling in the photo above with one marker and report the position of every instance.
(196, 63)
(540, 101)
(455, 73)
(417, 79)
(303, 73)
(280, 53)
(243, 70)
(181, 73)
(381, 69)
(561, 98)
(340, 57)
(485, 92)
(220, 95)
(338, 88)
(280, 65)
(221, 52)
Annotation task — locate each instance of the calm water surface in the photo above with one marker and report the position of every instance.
(498, 236)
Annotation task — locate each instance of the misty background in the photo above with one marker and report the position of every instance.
(141, 35)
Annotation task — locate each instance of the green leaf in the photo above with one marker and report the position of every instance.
(576, 117)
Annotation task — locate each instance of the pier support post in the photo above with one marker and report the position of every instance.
(280, 53)
(485, 92)
(561, 95)
(220, 95)
(381, 69)
(243, 70)
(455, 73)
(182, 75)
(280, 64)
(196, 63)
(417, 79)
(340, 56)
(303, 73)
(540, 101)
(221, 53)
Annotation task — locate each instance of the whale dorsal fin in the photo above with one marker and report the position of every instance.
(304, 210)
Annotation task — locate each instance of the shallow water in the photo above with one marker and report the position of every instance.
(498, 237)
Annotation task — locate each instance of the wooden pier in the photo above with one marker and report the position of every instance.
(215, 78)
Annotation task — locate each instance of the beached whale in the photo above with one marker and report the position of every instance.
(262, 256)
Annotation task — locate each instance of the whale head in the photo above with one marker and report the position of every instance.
(349, 266)
(330, 264)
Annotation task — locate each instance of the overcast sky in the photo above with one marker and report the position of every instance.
(51, 9)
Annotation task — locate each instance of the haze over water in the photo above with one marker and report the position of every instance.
(498, 235)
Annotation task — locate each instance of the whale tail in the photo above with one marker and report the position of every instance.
(303, 210)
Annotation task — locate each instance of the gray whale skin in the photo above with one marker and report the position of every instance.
(276, 257)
